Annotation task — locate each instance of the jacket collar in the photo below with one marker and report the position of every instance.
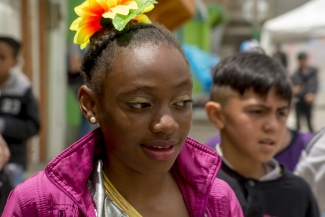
(69, 171)
(195, 167)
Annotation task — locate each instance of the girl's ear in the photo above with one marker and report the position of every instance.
(214, 112)
(88, 102)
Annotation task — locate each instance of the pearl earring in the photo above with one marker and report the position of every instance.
(93, 120)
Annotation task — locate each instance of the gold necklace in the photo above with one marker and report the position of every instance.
(118, 198)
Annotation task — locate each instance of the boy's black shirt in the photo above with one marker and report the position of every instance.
(19, 113)
(287, 196)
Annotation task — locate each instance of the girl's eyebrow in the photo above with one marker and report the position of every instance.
(186, 82)
(135, 88)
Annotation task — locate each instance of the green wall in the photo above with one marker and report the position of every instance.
(72, 108)
(198, 30)
(198, 33)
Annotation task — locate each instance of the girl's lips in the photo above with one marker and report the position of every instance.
(160, 150)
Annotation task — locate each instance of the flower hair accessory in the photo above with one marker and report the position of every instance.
(93, 14)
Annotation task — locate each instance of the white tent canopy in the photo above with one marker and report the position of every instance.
(306, 21)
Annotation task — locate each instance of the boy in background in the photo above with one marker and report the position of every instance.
(19, 118)
(250, 102)
(293, 143)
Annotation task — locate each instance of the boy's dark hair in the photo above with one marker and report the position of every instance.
(302, 55)
(243, 71)
(107, 43)
(15, 45)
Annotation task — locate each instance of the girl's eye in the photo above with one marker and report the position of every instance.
(184, 103)
(139, 105)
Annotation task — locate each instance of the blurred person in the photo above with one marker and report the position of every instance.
(250, 102)
(305, 86)
(311, 167)
(19, 117)
(75, 80)
(5, 186)
(280, 56)
(293, 143)
(139, 162)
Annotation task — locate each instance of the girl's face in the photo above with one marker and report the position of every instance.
(145, 113)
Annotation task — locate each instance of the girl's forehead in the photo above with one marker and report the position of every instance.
(156, 66)
(148, 60)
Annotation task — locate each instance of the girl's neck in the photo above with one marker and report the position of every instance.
(135, 186)
(243, 165)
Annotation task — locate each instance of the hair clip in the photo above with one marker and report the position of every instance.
(93, 13)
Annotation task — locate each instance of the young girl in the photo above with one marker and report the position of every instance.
(140, 161)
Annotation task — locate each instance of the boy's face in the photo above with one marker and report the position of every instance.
(303, 62)
(253, 127)
(7, 59)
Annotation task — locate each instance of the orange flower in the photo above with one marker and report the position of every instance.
(91, 12)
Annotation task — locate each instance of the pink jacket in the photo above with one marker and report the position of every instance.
(61, 191)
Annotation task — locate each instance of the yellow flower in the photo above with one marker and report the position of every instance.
(142, 18)
(119, 7)
(90, 14)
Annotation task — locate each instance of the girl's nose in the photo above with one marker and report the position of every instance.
(166, 125)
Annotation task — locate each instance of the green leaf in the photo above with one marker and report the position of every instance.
(120, 21)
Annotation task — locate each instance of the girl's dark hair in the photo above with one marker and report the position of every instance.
(15, 45)
(107, 43)
(242, 71)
